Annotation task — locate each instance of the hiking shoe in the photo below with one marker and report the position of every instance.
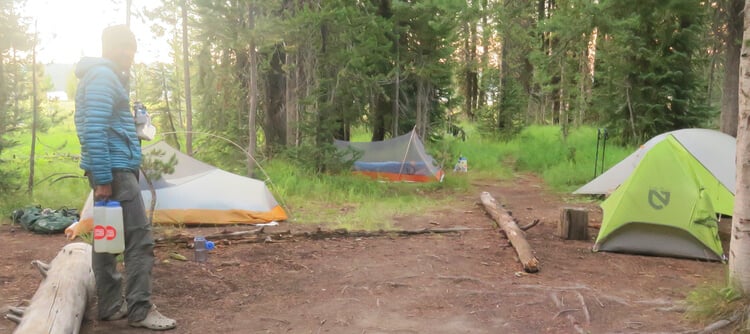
(121, 313)
(155, 321)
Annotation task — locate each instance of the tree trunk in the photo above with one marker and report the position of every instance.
(35, 116)
(423, 107)
(396, 87)
(739, 246)
(252, 98)
(380, 107)
(188, 95)
(61, 300)
(174, 141)
(515, 235)
(291, 99)
(275, 120)
(729, 97)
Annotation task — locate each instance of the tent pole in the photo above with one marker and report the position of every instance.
(408, 146)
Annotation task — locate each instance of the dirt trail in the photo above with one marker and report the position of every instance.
(468, 282)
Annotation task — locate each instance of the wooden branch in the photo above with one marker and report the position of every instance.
(60, 302)
(514, 234)
(13, 317)
(184, 238)
(529, 225)
(257, 235)
(343, 233)
(41, 266)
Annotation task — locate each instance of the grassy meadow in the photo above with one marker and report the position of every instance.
(349, 201)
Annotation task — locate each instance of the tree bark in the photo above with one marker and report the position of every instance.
(252, 97)
(275, 118)
(188, 94)
(574, 223)
(515, 235)
(291, 99)
(739, 246)
(729, 97)
(35, 115)
(59, 304)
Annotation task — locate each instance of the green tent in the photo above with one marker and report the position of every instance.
(668, 206)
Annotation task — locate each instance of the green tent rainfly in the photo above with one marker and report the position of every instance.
(668, 206)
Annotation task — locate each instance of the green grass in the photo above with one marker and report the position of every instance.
(342, 200)
(351, 201)
(712, 302)
(58, 182)
(565, 164)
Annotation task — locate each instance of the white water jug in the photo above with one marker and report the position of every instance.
(109, 234)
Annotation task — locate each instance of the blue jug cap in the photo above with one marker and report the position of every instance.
(209, 245)
(113, 204)
(100, 203)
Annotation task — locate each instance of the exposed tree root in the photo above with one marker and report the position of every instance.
(586, 313)
(560, 305)
(719, 324)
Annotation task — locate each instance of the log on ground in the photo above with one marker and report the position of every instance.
(513, 232)
(60, 302)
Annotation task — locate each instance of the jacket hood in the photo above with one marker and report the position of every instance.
(87, 63)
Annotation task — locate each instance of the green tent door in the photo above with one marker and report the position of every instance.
(667, 207)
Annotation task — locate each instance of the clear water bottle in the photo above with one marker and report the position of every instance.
(109, 234)
(202, 247)
(199, 245)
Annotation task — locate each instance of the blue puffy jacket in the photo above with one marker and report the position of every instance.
(105, 126)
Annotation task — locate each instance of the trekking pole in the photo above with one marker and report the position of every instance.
(596, 157)
(605, 136)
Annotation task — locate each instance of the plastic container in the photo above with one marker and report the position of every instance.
(140, 113)
(109, 234)
(462, 165)
(201, 247)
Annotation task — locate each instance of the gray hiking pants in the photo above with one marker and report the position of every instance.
(139, 255)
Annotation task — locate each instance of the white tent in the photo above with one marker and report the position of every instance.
(198, 193)
(715, 150)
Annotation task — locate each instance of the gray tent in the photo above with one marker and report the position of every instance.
(402, 158)
(715, 150)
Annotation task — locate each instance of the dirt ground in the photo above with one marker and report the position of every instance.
(468, 282)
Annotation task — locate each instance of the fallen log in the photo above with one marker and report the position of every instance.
(257, 236)
(513, 232)
(182, 237)
(60, 303)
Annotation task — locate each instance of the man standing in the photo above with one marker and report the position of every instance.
(111, 157)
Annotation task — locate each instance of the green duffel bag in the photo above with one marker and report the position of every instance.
(45, 221)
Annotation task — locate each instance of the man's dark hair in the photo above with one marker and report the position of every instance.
(116, 37)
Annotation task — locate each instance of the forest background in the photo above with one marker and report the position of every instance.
(254, 83)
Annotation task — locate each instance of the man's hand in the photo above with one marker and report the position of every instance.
(103, 192)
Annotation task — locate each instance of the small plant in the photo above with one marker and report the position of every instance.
(709, 304)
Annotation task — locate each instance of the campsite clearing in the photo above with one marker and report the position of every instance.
(467, 282)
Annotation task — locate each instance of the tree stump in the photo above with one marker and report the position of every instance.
(60, 302)
(574, 224)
